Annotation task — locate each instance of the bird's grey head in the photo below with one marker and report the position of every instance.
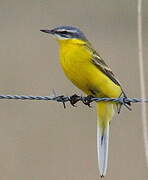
(66, 32)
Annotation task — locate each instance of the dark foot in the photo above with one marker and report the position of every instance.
(74, 99)
(125, 103)
(87, 100)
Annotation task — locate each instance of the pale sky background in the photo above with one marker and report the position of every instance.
(42, 140)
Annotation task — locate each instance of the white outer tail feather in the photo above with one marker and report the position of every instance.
(102, 148)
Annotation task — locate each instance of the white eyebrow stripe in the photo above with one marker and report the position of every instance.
(60, 37)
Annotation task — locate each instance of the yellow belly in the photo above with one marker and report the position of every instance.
(77, 65)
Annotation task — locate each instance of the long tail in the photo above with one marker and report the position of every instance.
(105, 112)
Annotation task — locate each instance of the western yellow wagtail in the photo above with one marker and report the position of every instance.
(87, 70)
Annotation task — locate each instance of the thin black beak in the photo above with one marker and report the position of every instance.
(47, 31)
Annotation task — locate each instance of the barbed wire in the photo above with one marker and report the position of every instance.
(73, 99)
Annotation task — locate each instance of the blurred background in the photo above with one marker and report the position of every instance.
(42, 140)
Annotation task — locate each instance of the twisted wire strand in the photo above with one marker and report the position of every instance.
(64, 99)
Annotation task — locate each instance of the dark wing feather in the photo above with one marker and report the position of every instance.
(98, 61)
(102, 66)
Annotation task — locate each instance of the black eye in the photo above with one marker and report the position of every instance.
(63, 32)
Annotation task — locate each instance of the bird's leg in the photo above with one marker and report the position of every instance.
(124, 102)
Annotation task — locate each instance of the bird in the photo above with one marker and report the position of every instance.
(86, 69)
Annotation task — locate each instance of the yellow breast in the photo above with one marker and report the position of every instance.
(76, 62)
